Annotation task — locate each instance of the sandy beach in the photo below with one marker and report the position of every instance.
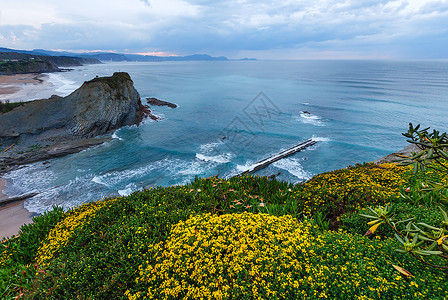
(17, 88)
(12, 215)
(25, 87)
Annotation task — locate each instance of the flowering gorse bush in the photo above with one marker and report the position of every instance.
(351, 188)
(59, 236)
(227, 257)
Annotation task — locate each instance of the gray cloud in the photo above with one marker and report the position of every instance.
(146, 2)
(400, 28)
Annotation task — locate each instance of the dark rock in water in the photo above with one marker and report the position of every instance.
(98, 107)
(157, 102)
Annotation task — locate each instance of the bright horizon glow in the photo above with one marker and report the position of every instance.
(322, 29)
(158, 53)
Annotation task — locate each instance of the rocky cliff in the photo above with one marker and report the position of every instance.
(97, 107)
(23, 67)
(103, 104)
(60, 61)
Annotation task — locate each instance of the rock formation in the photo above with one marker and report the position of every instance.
(98, 107)
(157, 102)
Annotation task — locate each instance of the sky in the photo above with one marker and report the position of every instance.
(283, 29)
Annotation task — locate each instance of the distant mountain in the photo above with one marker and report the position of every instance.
(107, 56)
(195, 57)
(17, 51)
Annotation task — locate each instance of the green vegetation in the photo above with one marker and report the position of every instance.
(113, 81)
(8, 106)
(242, 238)
(26, 66)
(423, 240)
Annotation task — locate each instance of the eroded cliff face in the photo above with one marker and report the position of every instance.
(103, 104)
(97, 107)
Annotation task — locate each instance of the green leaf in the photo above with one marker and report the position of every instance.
(399, 238)
(415, 239)
(422, 237)
(417, 155)
(417, 229)
(427, 252)
(368, 216)
(444, 214)
(433, 245)
(400, 250)
(428, 226)
(407, 220)
(408, 226)
(420, 252)
(372, 210)
(419, 243)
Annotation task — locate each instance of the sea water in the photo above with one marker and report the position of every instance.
(232, 114)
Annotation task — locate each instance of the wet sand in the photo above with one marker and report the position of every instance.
(12, 215)
(24, 87)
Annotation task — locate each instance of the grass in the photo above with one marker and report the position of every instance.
(113, 81)
(8, 106)
(243, 238)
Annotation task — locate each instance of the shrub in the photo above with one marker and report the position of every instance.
(334, 193)
(17, 253)
(231, 256)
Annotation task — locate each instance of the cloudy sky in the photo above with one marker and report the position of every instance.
(283, 29)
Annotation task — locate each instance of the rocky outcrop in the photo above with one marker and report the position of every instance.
(157, 102)
(103, 104)
(98, 107)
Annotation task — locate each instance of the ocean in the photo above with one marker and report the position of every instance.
(232, 114)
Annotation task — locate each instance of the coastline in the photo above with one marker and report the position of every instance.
(12, 215)
(25, 87)
(18, 88)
